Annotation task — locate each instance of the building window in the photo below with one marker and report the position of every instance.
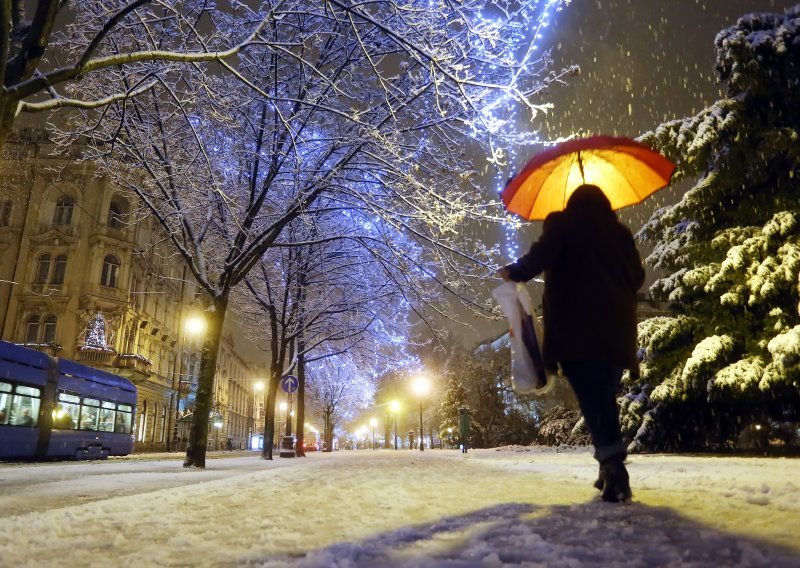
(5, 213)
(42, 269)
(116, 214)
(63, 214)
(38, 330)
(59, 269)
(110, 272)
(49, 329)
(32, 329)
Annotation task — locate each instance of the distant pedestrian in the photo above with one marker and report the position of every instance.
(592, 272)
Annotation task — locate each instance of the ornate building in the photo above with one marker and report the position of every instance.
(86, 275)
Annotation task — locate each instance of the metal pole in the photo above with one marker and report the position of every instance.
(395, 431)
(289, 416)
(178, 398)
(421, 434)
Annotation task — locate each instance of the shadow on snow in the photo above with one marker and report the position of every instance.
(589, 534)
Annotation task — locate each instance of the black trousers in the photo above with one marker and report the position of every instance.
(595, 385)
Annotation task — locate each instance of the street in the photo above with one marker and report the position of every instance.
(516, 506)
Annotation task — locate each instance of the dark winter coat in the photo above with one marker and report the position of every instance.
(592, 271)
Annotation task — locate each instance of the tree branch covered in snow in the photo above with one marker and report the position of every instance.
(366, 121)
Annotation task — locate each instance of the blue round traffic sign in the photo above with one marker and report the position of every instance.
(289, 384)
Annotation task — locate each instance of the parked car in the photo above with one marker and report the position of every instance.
(310, 447)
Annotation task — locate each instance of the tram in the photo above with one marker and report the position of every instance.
(56, 408)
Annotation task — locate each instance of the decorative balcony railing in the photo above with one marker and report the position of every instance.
(51, 349)
(133, 361)
(69, 230)
(47, 289)
(116, 294)
(96, 355)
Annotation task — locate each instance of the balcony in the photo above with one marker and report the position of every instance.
(134, 362)
(108, 233)
(115, 294)
(67, 230)
(96, 356)
(47, 289)
(51, 349)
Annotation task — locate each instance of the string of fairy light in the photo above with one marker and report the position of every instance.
(512, 159)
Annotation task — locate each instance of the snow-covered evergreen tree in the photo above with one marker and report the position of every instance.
(729, 355)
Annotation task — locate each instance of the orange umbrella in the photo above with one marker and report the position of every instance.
(627, 172)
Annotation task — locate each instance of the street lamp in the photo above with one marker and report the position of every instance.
(373, 422)
(217, 427)
(257, 387)
(421, 386)
(285, 411)
(395, 408)
(194, 326)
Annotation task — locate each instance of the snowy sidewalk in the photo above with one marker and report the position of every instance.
(514, 507)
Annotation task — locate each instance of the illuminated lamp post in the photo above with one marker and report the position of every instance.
(421, 386)
(395, 408)
(194, 326)
(373, 422)
(257, 387)
(285, 411)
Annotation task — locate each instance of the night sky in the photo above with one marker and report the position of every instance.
(642, 61)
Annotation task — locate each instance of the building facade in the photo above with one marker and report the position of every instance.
(87, 275)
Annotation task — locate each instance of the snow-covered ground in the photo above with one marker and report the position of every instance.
(508, 507)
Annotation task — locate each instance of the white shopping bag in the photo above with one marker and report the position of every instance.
(528, 374)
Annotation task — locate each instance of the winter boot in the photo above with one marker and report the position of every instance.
(599, 482)
(616, 483)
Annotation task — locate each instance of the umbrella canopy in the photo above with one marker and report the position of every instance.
(627, 172)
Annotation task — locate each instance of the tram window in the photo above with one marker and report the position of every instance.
(5, 402)
(106, 423)
(65, 416)
(89, 414)
(122, 422)
(25, 406)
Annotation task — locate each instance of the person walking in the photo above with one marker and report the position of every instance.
(592, 272)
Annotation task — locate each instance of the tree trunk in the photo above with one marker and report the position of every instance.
(329, 432)
(299, 449)
(388, 440)
(198, 435)
(269, 414)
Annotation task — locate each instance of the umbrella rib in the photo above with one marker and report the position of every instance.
(599, 156)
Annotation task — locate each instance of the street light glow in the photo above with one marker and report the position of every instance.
(394, 406)
(421, 386)
(373, 422)
(195, 325)
(259, 386)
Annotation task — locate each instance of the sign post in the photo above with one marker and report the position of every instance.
(289, 385)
